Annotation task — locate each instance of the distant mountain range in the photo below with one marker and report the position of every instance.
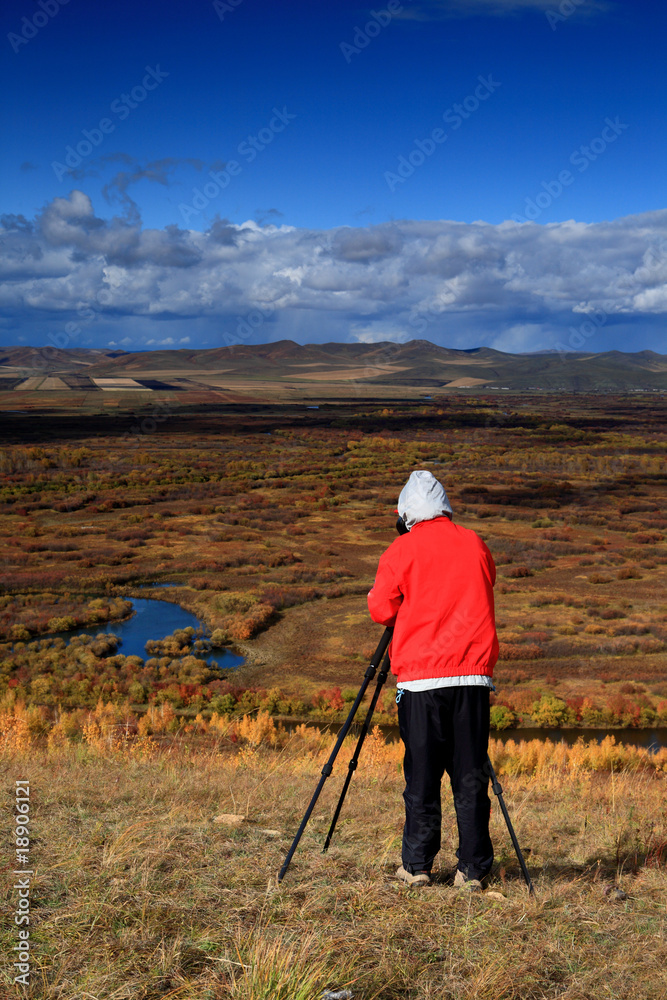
(385, 368)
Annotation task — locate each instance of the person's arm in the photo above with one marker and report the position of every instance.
(385, 597)
(490, 564)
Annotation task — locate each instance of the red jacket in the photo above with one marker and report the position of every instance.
(435, 586)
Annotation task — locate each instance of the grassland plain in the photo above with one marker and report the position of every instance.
(271, 521)
(155, 864)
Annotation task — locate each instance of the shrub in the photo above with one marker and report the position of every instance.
(330, 700)
(136, 692)
(502, 717)
(223, 703)
(629, 573)
(519, 571)
(591, 714)
(258, 729)
(549, 711)
(511, 651)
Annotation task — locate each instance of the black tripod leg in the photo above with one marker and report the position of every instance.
(328, 767)
(498, 791)
(352, 766)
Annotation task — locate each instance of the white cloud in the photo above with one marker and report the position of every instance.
(459, 283)
(377, 335)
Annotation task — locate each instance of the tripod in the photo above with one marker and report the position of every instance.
(352, 766)
(328, 767)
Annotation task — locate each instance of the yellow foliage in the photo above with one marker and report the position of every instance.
(158, 719)
(15, 735)
(540, 757)
(219, 723)
(259, 729)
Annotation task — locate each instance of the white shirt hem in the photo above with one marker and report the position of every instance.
(431, 683)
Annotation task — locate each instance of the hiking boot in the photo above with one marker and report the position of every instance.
(419, 878)
(461, 881)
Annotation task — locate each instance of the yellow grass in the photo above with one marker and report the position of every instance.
(138, 893)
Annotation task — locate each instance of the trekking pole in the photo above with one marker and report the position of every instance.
(497, 788)
(328, 767)
(352, 766)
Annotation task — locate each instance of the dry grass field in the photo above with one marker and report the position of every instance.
(155, 863)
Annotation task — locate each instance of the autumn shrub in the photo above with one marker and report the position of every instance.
(223, 704)
(629, 573)
(259, 729)
(628, 628)
(502, 716)
(550, 712)
(519, 571)
(522, 651)
(647, 646)
(619, 647)
(607, 614)
(621, 711)
(241, 627)
(328, 700)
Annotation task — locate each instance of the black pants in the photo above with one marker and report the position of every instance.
(446, 729)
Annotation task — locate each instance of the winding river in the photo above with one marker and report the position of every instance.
(155, 620)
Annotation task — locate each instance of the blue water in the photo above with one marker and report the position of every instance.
(155, 620)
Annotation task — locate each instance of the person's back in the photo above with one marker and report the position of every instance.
(434, 585)
(441, 576)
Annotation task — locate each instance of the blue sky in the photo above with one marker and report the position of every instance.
(478, 172)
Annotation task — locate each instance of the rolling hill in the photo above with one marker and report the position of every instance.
(383, 369)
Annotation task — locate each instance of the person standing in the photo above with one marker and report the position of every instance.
(434, 585)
